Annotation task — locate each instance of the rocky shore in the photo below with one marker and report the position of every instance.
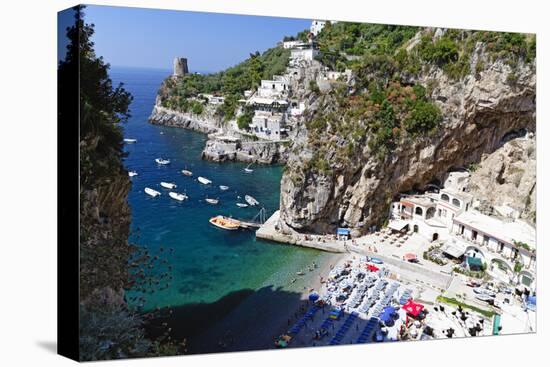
(164, 116)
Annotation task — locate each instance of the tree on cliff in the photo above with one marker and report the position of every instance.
(102, 106)
(108, 263)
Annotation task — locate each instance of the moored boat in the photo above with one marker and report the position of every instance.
(177, 196)
(204, 180)
(250, 200)
(212, 201)
(229, 224)
(168, 185)
(130, 141)
(248, 169)
(242, 205)
(186, 172)
(224, 188)
(162, 161)
(132, 173)
(151, 192)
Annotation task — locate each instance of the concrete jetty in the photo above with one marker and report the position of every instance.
(269, 231)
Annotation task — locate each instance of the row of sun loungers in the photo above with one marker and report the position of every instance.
(301, 323)
(344, 329)
(369, 330)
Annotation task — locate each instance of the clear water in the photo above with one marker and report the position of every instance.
(207, 263)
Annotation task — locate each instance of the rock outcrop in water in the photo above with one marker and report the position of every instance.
(480, 111)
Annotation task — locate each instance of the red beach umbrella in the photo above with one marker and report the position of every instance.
(413, 308)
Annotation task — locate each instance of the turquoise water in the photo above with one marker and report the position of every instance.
(207, 263)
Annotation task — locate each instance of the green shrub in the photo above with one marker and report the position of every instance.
(424, 118)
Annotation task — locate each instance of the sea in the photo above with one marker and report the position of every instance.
(206, 263)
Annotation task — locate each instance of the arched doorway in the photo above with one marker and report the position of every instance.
(415, 228)
(435, 236)
(430, 213)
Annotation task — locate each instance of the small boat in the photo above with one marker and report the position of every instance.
(242, 205)
(186, 172)
(300, 273)
(248, 169)
(132, 173)
(130, 141)
(204, 180)
(484, 297)
(151, 192)
(376, 260)
(229, 224)
(224, 188)
(162, 161)
(212, 201)
(250, 200)
(176, 196)
(168, 185)
(484, 291)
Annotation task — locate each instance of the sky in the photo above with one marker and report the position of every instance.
(211, 42)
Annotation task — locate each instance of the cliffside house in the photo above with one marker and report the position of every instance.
(269, 118)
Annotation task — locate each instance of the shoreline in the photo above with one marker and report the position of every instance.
(261, 317)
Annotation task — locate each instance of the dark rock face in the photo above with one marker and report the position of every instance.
(479, 113)
(166, 117)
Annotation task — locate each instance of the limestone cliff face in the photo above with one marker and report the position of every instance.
(167, 117)
(507, 177)
(479, 112)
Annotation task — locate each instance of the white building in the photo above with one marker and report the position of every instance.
(295, 44)
(269, 118)
(318, 25)
(501, 244)
(278, 87)
(307, 54)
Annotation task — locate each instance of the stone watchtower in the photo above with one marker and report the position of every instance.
(180, 66)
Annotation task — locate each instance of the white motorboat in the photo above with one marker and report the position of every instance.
(250, 200)
(168, 185)
(242, 205)
(248, 169)
(204, 180)
(130, 141)
(484, 292)
(177, 196)
(151, 192)
(162, 161)
(224, 188)
(186, 172)
(212, 201)
(132, 173)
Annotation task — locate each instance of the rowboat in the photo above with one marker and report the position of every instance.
(242, 205)
(186, 172)
(222, 222)
(250, 200)
(132, 173)
(162, 161)
(204, 180)
(224, 188)
(151, 192)
(168, 185)
(212, 201)
(130, 141)
(176, 196)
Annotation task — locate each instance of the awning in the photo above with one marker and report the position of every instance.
(372, 267)
(413, 308)
(454, 249)
(398, 225)
(343, 231)
(409, 256)
(475, 261)
(407, 203)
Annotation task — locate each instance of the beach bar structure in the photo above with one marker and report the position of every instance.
(343, 234)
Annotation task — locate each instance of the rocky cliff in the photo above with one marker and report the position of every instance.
(479, 112)
(167, 117)
(507, 177)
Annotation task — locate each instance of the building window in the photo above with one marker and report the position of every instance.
(418, 210)
(500, 247)
(445, 197)
(456, 203)
(485, 240)
(439, 212)
(461, 229)
(474, 235)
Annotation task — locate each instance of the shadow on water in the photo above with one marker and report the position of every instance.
(239, 321)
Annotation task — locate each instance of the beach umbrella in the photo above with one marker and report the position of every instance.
(409, 256)
(413, 308)
(313, 297)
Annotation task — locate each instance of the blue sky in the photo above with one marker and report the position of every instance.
(211, 42)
